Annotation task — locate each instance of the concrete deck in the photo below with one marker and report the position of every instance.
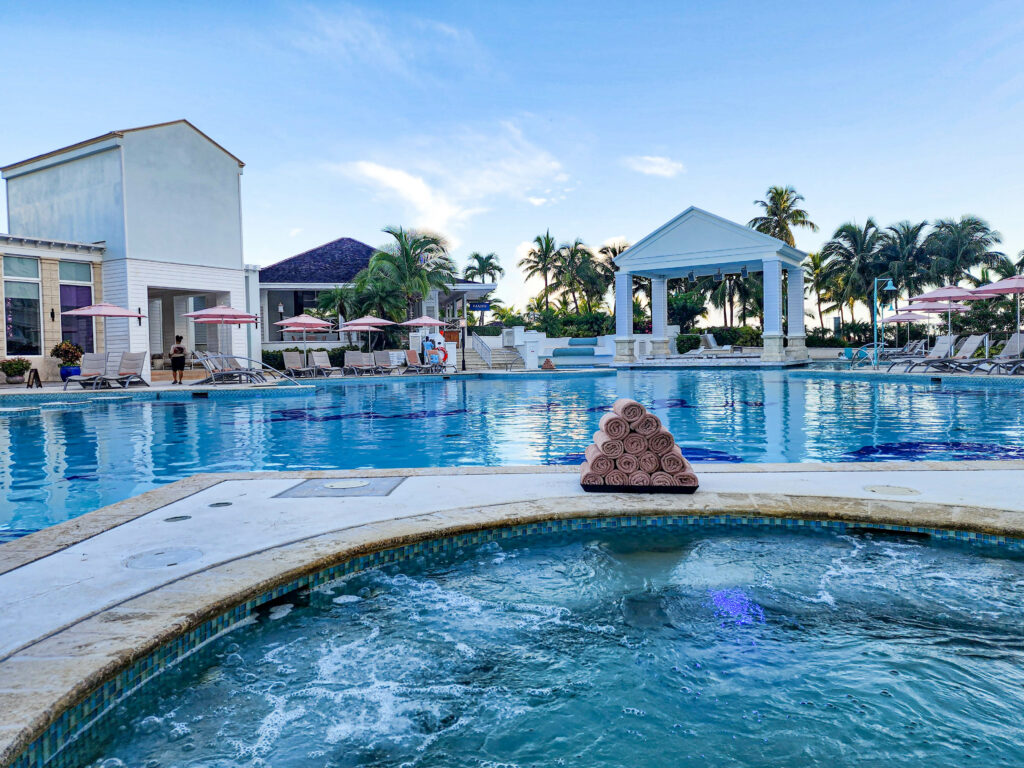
(85, 598)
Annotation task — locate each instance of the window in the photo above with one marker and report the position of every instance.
(19, 266)
(75, 292)
(22, 316)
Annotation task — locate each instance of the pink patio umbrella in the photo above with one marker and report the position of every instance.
(103, 310)
(903, 317)
(1010, 286)
(222, 315)
(359, 328)
(368, 320)
(424, 321)
(304, 323)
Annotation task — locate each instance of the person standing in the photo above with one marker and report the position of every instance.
(178, 353)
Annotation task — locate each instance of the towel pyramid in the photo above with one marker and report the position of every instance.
(633, 451)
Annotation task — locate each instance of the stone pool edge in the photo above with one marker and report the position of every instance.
(62, 669)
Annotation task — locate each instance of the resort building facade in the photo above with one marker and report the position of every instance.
(155, 213)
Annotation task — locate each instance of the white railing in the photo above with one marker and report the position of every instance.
(481, 348)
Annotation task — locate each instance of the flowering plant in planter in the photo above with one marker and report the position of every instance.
(15, 366)
(68, 353)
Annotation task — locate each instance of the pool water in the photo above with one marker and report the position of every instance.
(711, 648)
(65, 460)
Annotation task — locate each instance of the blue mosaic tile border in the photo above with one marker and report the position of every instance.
(63, 742)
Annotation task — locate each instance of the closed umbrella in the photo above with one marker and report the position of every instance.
(1010, 286)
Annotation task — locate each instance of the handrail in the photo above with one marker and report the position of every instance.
(481, 348)
(863, 354)
(260, 363)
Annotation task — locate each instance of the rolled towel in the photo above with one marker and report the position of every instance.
(588, 476)
(609, 447)
(647, 425)
(628, 409)
(662, 479)
(616, 477)
(661, 442)
(614, 426)
(674, 463)
(599, 463)
(639, 478)
(649, 463)
(628, 463)
(635, 444)
(687, 479)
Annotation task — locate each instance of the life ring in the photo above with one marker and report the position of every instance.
(442, 350)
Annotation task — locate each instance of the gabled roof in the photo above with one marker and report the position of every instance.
(117, 135)
(333, 263)
(696, 237)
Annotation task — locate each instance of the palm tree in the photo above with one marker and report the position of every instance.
(781, 215)
(339, 301)
(817, 280)
(853, 261)
(573, 271)
(416, 263)
(958, 245)
(540, 260)
(483, 267)
(904, 251)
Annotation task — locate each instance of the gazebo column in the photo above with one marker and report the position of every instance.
(624, 317)
(796, 338)
(772, 332)
(659, 316)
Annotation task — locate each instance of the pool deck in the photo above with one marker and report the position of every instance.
(85, 598)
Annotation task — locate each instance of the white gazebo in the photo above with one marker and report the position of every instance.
(697, 243)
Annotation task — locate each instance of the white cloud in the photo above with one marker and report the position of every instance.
(654, 165)
(443, 182)
(294, 231)
(362, 42)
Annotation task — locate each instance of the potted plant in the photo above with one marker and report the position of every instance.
(70, 356)
(14, 369)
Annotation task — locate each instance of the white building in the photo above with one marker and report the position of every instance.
(160, 206)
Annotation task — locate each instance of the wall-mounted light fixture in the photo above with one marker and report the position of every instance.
(53, 316)
(139, 310)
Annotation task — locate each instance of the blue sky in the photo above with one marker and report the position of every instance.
(495, 121)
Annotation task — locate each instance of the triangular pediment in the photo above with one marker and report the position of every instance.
(702, 241)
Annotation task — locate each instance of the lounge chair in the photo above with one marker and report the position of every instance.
(912, 349)
(293, 366)
(360, 363)
(942, 349)
(413, 363)
(322, 362)
(222, 369)
(963, 354)
(1009, 358)
(129, 370)
(382, 359)
(92, 369)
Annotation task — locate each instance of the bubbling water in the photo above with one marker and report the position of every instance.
(707, 648)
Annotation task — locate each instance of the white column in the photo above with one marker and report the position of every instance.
(795, 336)
(623, 317)
(772, 332)
(659, 316)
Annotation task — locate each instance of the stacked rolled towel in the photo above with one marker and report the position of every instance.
(632, 448)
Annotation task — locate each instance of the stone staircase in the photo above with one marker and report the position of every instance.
(503, 358)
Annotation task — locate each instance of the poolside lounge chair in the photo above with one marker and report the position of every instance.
(129, 370)
(293, 366)
(963, 354)
(222, 369)
(912, 349)
(413, 363)
(360, 363)
(382, 359)
(322, 362)
(92, 369)
(1008, 360)
(942, 349)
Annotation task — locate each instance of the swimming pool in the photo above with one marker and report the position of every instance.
(70, 458)
(677, 647)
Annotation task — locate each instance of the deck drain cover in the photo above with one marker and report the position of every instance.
(164, 557)
(338, 485)
(892, 490)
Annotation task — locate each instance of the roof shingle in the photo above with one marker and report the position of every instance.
(338, 261)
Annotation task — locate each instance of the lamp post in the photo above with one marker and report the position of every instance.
(874, 315)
